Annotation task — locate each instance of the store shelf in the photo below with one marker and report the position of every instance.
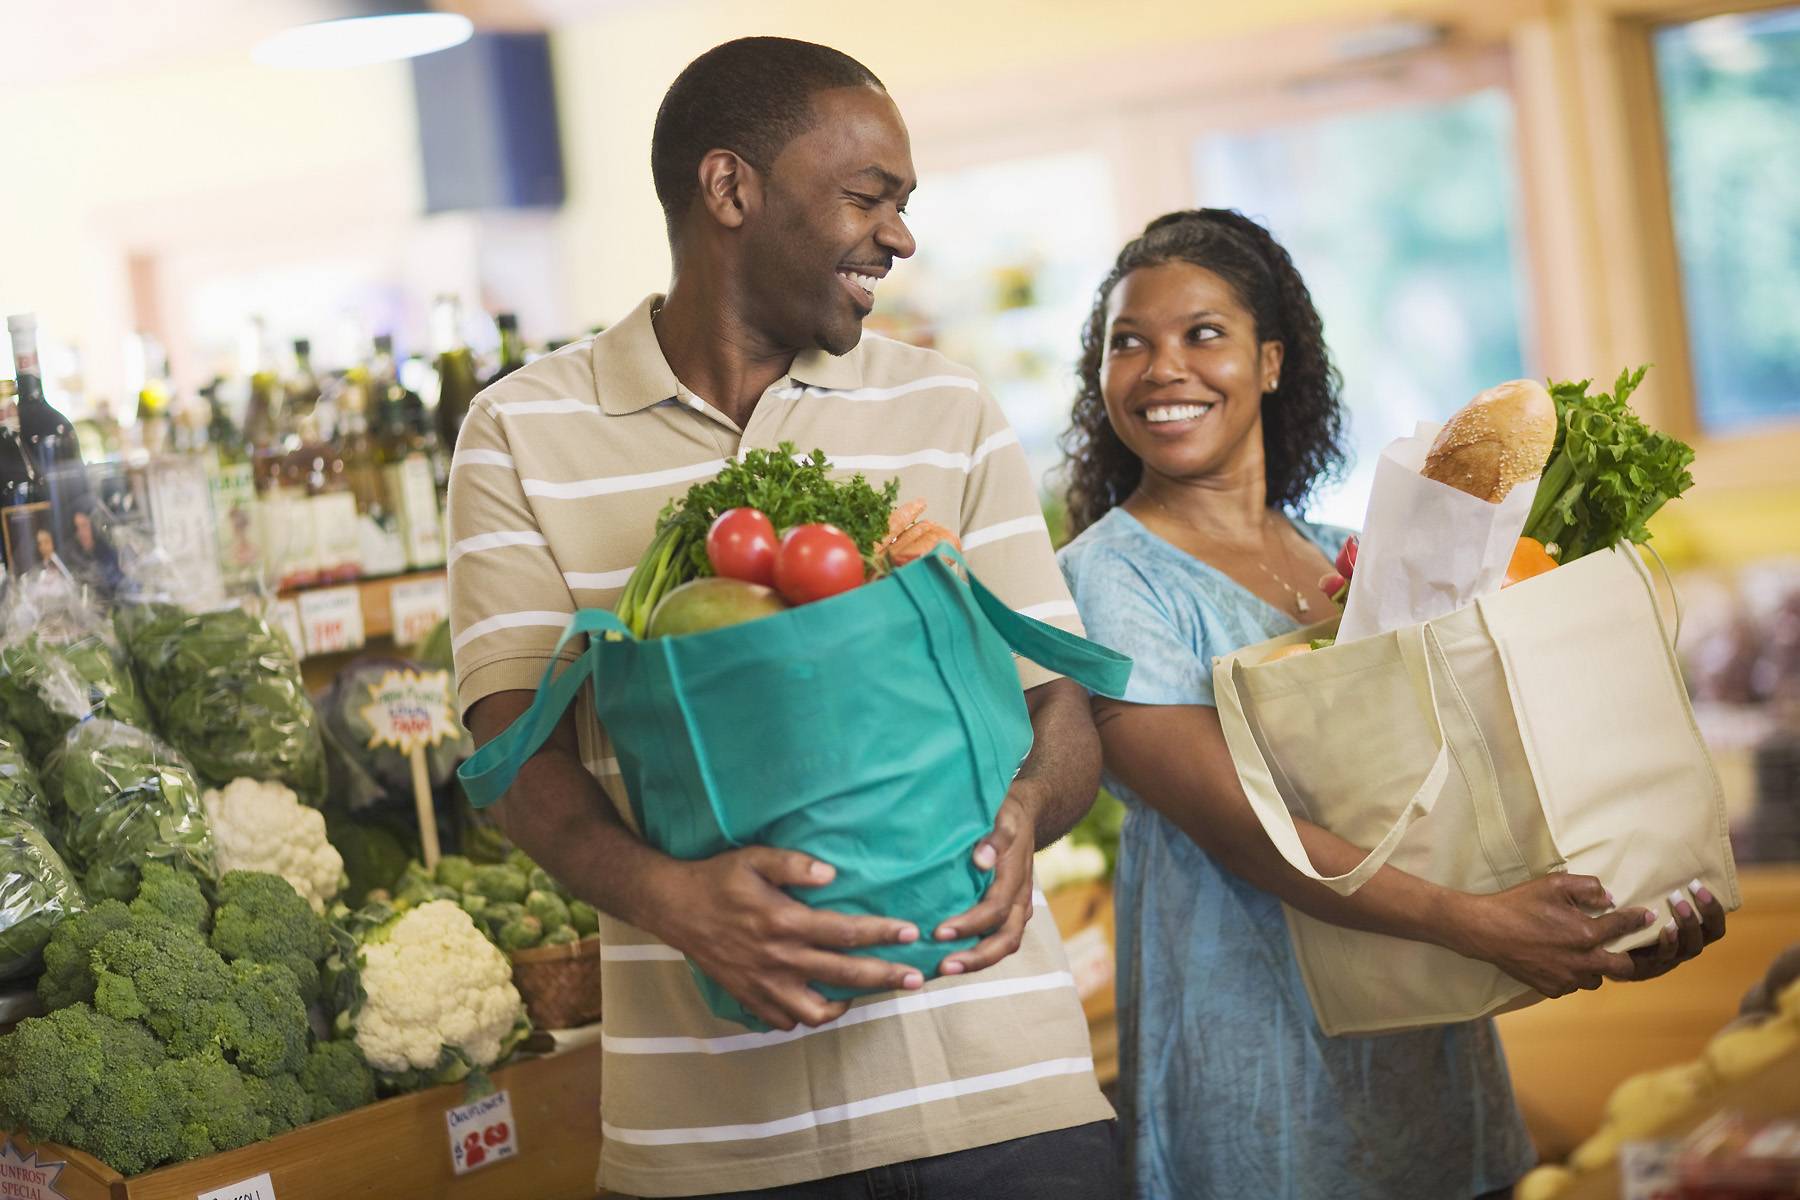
(326, 620)
(397, 1149)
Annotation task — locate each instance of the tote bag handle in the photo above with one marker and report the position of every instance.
(490, 771)
(1258, 777)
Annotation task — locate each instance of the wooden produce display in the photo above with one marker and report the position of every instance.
(398, 1149)
(1084, 916)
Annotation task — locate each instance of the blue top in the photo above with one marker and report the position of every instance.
(1228, 1088)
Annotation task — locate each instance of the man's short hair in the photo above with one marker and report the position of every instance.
(751, 96)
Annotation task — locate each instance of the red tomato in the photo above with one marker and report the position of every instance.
(816, 561)
(741, 545)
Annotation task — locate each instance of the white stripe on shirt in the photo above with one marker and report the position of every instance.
(496, 540)
(544, 408)
(910, 1098)
(876, 394)
(643, 952)
(598, 580)
(481, 458)
(1002, 531)
(512, 620)
(1043, 612)
(580, 489)
(897, 1006)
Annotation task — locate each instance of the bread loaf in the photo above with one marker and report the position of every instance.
(1497, 440)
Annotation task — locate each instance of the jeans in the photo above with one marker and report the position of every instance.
(1081, 1163)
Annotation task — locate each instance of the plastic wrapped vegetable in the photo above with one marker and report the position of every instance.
(37, 890)
(58, 663)
(21, 792)
(126, 799)
(227, 693)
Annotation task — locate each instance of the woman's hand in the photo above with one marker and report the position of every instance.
(1541, 933)
(1696, 925)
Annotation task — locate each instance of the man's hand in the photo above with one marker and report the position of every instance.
(729, 914)
(1541, 932)
(1696, 925)
(1005, 910)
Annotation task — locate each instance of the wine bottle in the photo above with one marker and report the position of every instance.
(404, 444)
(48, 437)
(457, 382)
(512, 350)
(151, 365)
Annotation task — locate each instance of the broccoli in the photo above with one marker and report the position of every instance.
(503, 882)
(215, 1107)
(265, 1027)
(262, 918)
(549, 908)
(173, 895)
(68, 976)
(584, 917)
(52, 1069)
(132, 1125)
(168, 978)
(337, 1079)
(454, 870)
(283, 1099)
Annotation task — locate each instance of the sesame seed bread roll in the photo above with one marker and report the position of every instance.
(1497, 440)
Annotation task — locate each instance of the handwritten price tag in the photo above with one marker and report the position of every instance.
(259, 1188)
(410, 710)
(417, 607)
(482, 1133)
(331, 620)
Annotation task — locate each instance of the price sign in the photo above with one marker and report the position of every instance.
(410, 710)
(285, 616)
(259, 1188)
(417, 607)
(23, 1177)
(331, 620)
(482, 1133)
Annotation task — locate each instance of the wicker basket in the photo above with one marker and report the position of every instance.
(560, 984)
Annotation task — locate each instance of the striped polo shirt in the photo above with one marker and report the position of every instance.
(558, 477)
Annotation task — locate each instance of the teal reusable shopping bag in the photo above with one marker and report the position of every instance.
(877, 730)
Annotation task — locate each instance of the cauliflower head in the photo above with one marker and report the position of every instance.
(260, 826)
(439, 999)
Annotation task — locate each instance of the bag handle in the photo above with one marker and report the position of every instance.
(489, 772)
(1258, 777)
(1668, 579)
(1088, 663)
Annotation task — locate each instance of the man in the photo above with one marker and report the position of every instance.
(783, 169)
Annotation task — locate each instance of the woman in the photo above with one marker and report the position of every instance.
(1208, 411)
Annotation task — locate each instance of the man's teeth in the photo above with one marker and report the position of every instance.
(1175, 412)
(865, 282)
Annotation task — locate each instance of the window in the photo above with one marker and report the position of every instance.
(1731, 113)
(1402, 221)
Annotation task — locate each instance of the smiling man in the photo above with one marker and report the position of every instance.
(783, 169)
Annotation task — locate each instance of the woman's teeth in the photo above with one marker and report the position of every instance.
(1164, 413)
(865, 282)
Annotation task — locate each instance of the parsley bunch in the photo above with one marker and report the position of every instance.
(789, 488)
(1608, 472)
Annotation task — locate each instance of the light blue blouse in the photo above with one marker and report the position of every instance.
(1228, 1089)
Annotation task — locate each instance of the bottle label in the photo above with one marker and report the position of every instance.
(238, 516)
(338, 536)
(415, 497)
(291, 539)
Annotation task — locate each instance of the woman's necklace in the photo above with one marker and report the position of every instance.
(1302, 606)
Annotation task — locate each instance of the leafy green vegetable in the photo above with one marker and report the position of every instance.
(127, 799)
(227, 692)
(46, 687)
(21, 792)
(1608, 472)
(790, 490)
(37, 893)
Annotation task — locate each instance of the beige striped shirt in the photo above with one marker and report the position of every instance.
(557, 480)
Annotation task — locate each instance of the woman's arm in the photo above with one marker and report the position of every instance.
(1540, 933)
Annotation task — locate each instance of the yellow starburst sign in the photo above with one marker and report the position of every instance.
(410, 710)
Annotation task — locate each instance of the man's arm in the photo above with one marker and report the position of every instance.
(1052, 791)
(728, 913)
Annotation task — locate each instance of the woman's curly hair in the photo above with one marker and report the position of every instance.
(1302, 419)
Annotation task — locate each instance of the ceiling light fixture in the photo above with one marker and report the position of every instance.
(372, 31)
